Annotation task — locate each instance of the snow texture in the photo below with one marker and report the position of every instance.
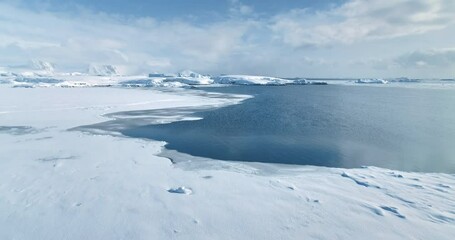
(60, 184)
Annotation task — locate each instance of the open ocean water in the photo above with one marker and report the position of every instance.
(410, 129)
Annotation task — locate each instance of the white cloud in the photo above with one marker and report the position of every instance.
(360, 38)
(428, 58)
(238, 8)
(358, 20)
(75, 42)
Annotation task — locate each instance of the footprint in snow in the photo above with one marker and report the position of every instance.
(416, 186)
(359, 182)
(393, 210)
(312, 200)
(443, 185)
(393, 174)
(375, 210)
(181, 190)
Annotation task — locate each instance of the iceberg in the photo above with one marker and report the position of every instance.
(189, 74)
(190, 78)
(251, 80)
(372, 81)
(299, 81)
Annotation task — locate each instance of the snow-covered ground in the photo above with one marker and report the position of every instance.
(60, 184)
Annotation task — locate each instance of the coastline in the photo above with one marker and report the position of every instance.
(115, 187)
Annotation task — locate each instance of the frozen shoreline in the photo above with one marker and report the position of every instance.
(59, 184)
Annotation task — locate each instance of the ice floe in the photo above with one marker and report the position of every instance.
(372, 81)
(251, 80)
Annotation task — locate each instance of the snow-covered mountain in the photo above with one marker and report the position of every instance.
(102, 70)
(43, 66)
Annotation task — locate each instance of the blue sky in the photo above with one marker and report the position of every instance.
(203, 10)
(350, 38)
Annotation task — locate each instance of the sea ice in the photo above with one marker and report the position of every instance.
(371, 81)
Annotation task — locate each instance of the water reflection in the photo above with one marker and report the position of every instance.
(335, 126)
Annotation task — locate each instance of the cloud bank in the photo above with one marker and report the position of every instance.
(357, 38)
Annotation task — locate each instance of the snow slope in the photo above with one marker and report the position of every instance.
(102, 70)
(59, 184)
(44, 66)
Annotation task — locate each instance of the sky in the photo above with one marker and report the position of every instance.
(287, 38)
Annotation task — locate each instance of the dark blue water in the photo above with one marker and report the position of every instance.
(334, 126)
